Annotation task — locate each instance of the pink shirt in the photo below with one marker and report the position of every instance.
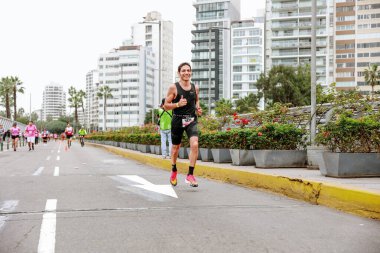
(15, 131)
(31, 130)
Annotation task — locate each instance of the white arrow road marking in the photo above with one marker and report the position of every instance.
(7, 206)
(144, 184)
(38, 172)
(48, 158)
(48, 227)
(58, 158)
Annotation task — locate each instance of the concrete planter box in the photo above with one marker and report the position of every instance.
(157, 150)
(314, 156)
(351, 164)
(143, 148)
(183, 153)
(280, 158)
(199, 153)
(221, 155)
(152, 147)
(242, 157)
(132, 146)
(206, 155)
(123, 144)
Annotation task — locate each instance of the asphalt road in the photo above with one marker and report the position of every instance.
(55, 199)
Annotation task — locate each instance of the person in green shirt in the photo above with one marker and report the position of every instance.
(165, 119)
(82, 132)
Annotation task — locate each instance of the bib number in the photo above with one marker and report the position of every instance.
(187, 121)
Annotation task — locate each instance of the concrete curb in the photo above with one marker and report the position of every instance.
(354, 201)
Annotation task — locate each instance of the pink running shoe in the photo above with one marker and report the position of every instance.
(190, 179)
(173, 178)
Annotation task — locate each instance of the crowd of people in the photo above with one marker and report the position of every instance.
(32, 135)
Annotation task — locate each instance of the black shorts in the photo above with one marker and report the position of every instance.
(15, 137)
(177, 130)
(68, 136)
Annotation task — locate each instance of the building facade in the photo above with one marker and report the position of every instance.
(288, 36)
(53, 102)
(247, 55)
(92, 101)
(157, 34)
(211, 58)
(129, 72)
(357, 42)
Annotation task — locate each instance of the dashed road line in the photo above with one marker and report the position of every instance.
(7, 206)
(58, 158)
(46, 243)
(56, 171)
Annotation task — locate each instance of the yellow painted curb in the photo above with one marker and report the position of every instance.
(354, 201)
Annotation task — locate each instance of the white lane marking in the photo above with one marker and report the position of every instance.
(145, 184)
(7, 206)
(38, 171)
(58, 158)
(48, 228)
(56, 171)
(59, 151)
(48, 158)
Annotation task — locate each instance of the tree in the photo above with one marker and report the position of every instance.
(148, 116)
(223, 109)
(5, 93)
(76, 100)
(248, 103)
(104, 93)
(371, 76)
(286, 84)
(16, 88)
(204, 108)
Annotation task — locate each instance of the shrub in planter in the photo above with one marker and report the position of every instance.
(276, 145)
(240, 146)
(354, 146)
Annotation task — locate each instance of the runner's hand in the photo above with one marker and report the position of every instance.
(199, 111)
(182, 101)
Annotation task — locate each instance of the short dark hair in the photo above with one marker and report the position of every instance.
(163, 102)
(183, 64)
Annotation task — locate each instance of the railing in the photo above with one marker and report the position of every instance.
(7, 124)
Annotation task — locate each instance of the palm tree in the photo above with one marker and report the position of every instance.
(104, 93)
(371, 76)
(5, 93)
(248, 103)
(16, 83)
(76, 100)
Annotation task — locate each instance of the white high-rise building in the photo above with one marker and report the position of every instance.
(53, 102)
(129, 72)
(211, 59)
(288, 36)
(247, 54)
(155, 33)
(92, 104)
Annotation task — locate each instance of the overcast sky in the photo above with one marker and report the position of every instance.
(44, 41)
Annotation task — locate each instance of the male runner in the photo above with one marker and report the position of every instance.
(183, 99)
(30, 133)
(69, 131)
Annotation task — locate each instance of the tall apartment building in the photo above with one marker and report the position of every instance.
(129, 72)
(357, 41)
(53, 102)
(288, 36)
(211, 58)
(247, 54)
(155, 33)
(92, 104)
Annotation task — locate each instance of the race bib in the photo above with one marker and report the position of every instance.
(187, 121)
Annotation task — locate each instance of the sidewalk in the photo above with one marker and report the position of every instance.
(360, 196)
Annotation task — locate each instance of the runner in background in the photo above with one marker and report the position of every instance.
(69, 131)
(30, 133)
(15, 135)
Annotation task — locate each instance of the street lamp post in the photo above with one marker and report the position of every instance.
(121, 96)
(209, 62)
(313, 72)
